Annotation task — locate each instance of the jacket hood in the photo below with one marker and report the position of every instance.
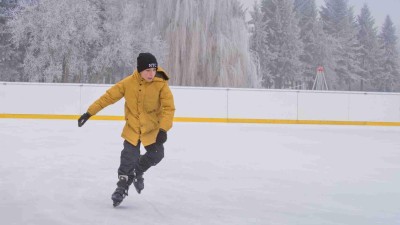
(161, 73)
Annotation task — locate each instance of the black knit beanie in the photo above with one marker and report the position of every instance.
(145, 61)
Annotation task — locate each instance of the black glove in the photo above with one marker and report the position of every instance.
(82, 120)
(161, 136)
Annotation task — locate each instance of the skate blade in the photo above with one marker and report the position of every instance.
(115, 204)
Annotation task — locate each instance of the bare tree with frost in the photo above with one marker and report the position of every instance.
(201, 43)
(208, 42)
(124, 35)
(10, 58)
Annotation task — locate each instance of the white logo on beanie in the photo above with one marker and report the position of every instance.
(152, 65)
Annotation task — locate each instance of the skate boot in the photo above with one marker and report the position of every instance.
(121, 192)
(138, 182)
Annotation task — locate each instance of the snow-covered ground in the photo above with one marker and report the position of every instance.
(52, 172)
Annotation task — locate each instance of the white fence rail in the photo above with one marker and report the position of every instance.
(192, 102)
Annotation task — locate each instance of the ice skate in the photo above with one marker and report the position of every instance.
(121, 192)
(138, 182)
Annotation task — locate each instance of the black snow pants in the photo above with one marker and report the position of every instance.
(133, 163)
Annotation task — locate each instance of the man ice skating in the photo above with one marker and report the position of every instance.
(149, 113)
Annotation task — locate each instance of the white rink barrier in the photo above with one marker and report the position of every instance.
(193, 104)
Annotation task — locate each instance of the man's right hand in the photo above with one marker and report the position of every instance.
(82, 120)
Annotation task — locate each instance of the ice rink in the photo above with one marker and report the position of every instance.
(53, 172)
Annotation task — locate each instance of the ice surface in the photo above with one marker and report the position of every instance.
(52, 172)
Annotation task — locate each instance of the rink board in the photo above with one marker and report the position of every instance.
(66, 101)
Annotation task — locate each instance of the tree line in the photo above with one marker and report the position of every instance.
(200, 43)
(293, 38)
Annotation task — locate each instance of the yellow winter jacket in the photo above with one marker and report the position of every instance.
(149, 106)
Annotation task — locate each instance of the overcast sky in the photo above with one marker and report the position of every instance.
(378, 8)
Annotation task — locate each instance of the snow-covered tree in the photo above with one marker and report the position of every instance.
(259, 43)
(339, 23)
(124, 35)
(283, 43)
(203, 43)
(313, 38)
(388, 78)
(370, 52)
(208, 42)
(57, 36)
(10, 58)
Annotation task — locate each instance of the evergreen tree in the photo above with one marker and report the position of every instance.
(283, 42)
(313, 38)
(388, 79)
(259, 43)
(370, 53)
(339, 23)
